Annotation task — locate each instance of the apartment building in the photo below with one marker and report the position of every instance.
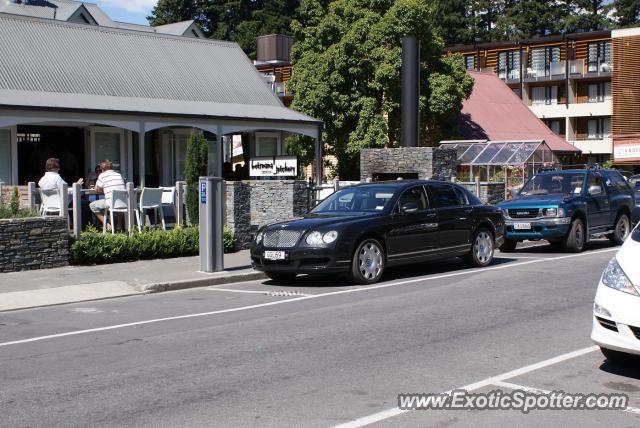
(273, 61)
(583, 86)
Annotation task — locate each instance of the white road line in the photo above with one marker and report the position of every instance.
(295, 299)
(274, 293)
(389, 413)
(509, 385)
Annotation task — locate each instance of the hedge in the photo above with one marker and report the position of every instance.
(95, 247)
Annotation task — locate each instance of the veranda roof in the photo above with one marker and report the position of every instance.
(50, 64)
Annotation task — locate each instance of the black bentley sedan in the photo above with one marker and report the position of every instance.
(361, 230)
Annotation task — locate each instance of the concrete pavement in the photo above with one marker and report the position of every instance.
(315, 353)
(19, 290)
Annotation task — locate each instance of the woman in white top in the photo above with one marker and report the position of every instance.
(51, 179)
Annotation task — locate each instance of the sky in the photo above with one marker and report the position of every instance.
(135, 11)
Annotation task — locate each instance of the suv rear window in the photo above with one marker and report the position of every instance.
(618, 182)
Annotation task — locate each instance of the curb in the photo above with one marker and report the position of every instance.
(201, 282)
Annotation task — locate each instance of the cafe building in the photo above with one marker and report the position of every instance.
(86, 91)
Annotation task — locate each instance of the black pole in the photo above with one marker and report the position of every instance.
(409, 105)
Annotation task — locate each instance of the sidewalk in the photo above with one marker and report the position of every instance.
(28, 289)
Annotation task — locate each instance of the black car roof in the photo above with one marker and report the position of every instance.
(398, 184)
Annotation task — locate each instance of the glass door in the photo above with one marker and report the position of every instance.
(108, 143)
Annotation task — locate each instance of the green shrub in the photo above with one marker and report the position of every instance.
(14, 205)
(195, 166)
(94, 247)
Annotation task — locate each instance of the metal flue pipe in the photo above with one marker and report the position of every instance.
(410, 95)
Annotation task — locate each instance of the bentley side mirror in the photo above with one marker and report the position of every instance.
(409, 207)
(595, 190)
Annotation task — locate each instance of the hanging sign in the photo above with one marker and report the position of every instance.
(278, 166)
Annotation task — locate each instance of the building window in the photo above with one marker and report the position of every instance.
(544, 95)
(470, 62)
(598, 129)
(541, 59)
(509, 65)
(555, 126)
(599, 57)
(599, 92)
(267, 144)
(5, 156)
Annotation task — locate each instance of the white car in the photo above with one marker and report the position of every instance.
(616, 311)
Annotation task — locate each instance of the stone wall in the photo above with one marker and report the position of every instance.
(426, 162)
(251, 204)
(33, 243)
(490, 193)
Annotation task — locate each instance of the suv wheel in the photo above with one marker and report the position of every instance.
(367, 265)
(574, 240)
(620, 230)
(482, 250)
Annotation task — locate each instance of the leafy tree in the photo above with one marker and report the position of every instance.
(346, 71)
(195, 166)
(626, 12)
(454, 21)
(235, 20)
(587, 15)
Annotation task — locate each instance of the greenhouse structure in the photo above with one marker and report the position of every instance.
(509, 163)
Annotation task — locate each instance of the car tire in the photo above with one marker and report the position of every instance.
(281, 276)
(367, 265)
(575, 239)
(621, 230)
(482, 248)
(509, 245)
(619, 357)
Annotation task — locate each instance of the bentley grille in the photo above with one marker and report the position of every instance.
(281, 238)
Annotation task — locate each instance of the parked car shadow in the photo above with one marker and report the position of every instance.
(542, 248)
(391, 274)
(629, 369)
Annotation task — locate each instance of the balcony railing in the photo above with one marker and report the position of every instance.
(554, 69)
(280, 88)
(511, 75)
(580, 67)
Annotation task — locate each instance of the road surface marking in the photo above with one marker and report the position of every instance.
(389, 413)
(509, 385)
(276, 293)
(295, 299)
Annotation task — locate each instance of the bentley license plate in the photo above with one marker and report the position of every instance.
(275, 255)
(522, 226)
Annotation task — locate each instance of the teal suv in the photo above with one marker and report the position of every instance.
(567, 208)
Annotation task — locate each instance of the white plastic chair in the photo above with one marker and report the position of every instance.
(51, 203)
(169, 200)
(116, 203)
(150, 199)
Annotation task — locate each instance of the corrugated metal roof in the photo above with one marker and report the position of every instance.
(130, 26)
(99, 15)
(495, 112)
(61, 9)
(177, 28)
(56, 64)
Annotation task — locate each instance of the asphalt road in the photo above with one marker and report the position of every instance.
(318, 352)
